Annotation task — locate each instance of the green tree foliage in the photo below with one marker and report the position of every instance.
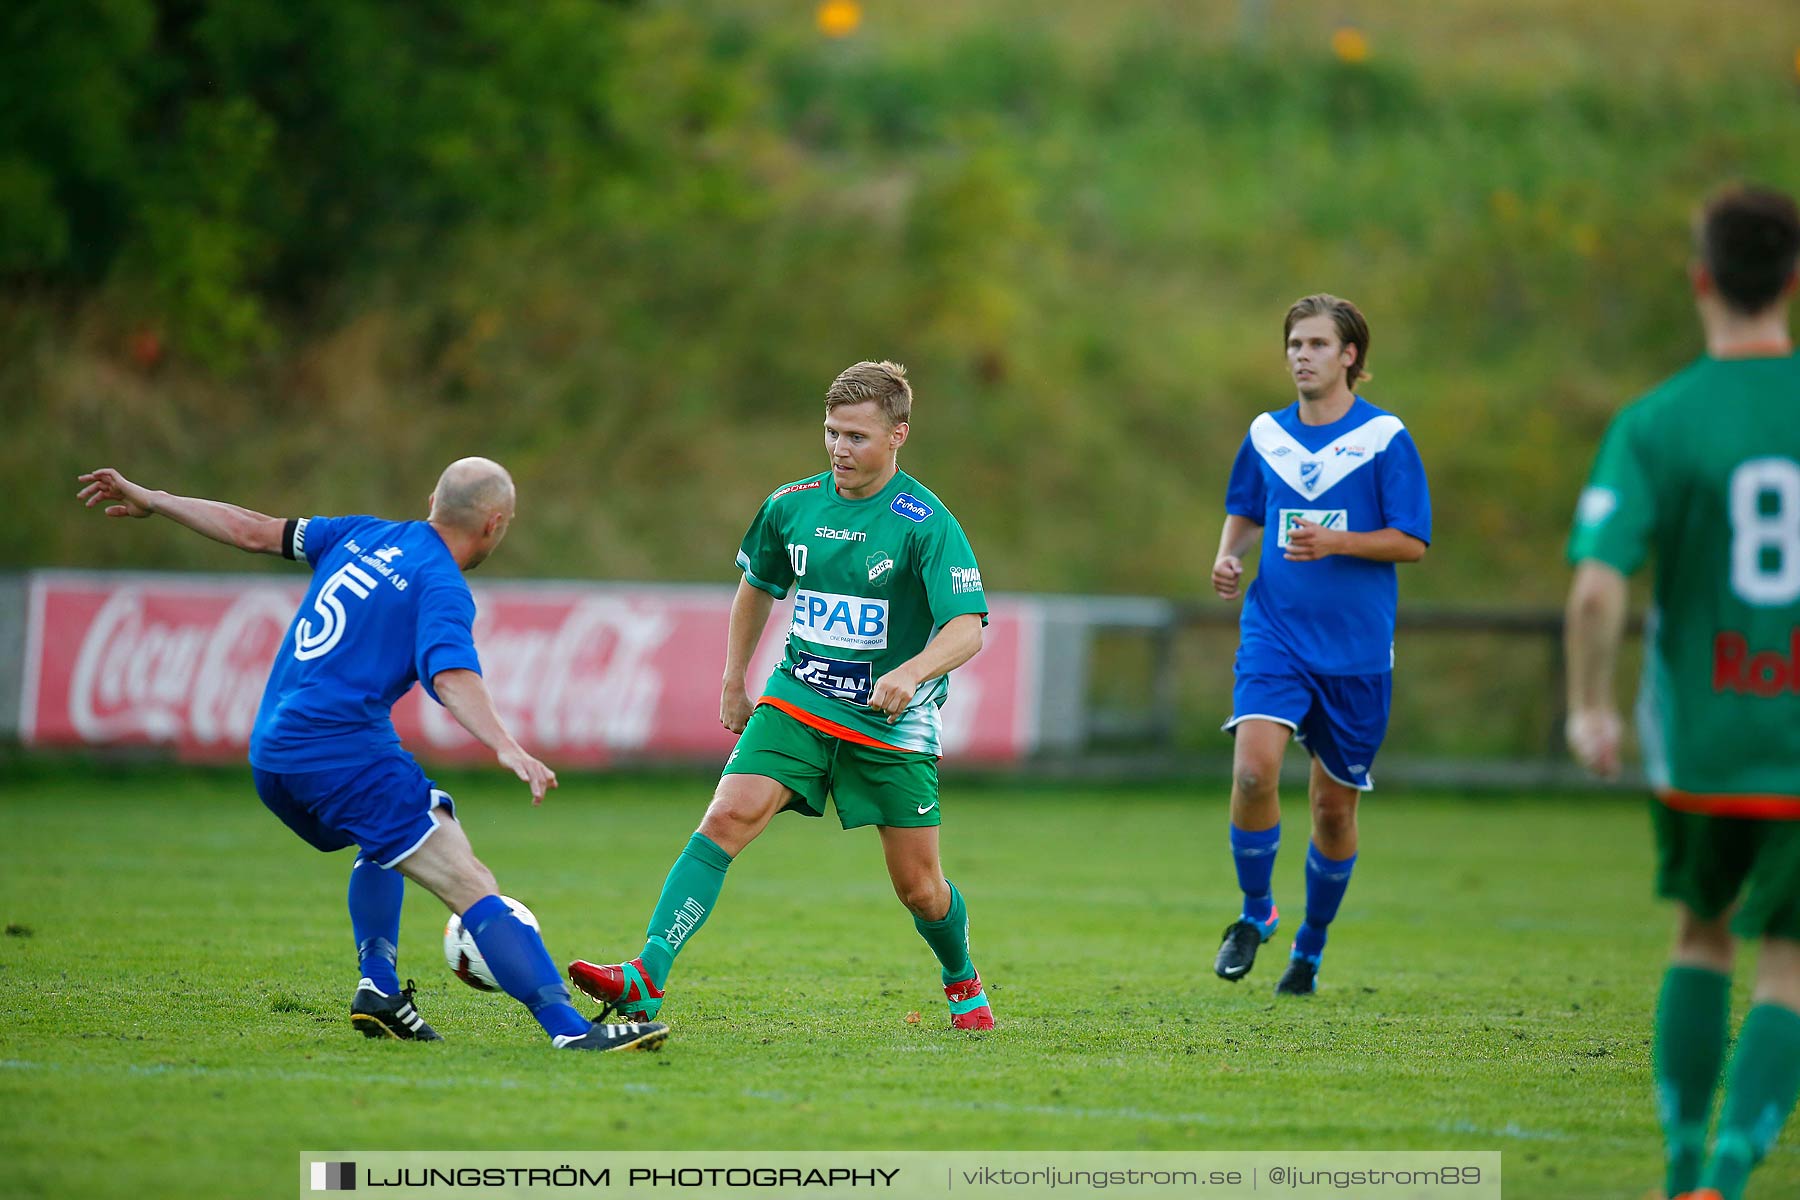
(218, 159)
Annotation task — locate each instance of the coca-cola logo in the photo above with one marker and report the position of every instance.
(580, 674)
(590, 680)
(139, 674)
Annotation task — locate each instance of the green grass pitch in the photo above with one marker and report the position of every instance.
(175, 981)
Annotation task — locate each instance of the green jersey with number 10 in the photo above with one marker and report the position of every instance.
(872, 580)
(1704, 474)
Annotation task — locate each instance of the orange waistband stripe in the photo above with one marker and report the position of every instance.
(1756, 807)
(826, 725)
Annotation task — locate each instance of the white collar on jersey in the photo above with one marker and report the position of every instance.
(1315, 472)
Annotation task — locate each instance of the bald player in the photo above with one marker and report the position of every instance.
(388, 607)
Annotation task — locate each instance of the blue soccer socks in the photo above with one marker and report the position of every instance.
(688, 896)
(515, 954)
(375, 896)
(1254, 853)
(1326, 880)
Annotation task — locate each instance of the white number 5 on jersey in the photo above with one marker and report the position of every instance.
(310, 642)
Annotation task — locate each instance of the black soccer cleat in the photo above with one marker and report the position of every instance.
(378, 1014)
(1237, 953)
(1300, 979)
(644, 1035)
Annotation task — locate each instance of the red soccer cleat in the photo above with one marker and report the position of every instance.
(968, 1005)
(622, 988)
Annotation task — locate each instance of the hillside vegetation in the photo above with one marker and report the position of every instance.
(300, 256)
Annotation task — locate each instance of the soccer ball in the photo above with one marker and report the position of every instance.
(465, 960)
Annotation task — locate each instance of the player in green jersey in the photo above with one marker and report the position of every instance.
(887, 601)
(1703, 475)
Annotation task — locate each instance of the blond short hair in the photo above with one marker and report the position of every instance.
(883, 382)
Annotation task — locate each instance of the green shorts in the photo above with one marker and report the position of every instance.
(871, 785)
(1708, 863)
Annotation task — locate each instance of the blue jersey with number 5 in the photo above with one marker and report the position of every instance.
(388, 607)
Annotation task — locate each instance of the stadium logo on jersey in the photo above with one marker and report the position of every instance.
(798, 487)
(1330, 518)
(840, 535)
(1596, 504)
(881, 567)
(838, 678)
(848, 622)
(1309, 474)
(964, 579)
(911, 507)
(389, 555)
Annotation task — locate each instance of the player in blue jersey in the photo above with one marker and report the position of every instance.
(388, 607)
(1333, 490)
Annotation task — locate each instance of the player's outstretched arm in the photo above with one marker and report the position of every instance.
(1593, 626)
(1309, 542)
(466, 696)
(228, 523)
(1235, 539)
(749, 617)
(955, 644)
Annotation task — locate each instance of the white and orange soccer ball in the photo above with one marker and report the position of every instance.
(465, 959)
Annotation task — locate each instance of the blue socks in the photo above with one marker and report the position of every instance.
(522, 967)
(1254, 853)
(375, 896)
(1326, 879)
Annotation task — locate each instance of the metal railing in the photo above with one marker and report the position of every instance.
(1478, 697)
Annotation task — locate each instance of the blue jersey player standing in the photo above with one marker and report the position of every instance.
(1333, 489)
(388, 607)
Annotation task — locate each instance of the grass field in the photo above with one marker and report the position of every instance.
(175, 981)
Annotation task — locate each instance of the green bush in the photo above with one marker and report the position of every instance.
(624, 247)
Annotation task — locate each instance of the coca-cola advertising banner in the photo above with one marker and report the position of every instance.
(583, 674)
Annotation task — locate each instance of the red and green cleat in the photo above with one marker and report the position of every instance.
(622, 988)
(968, 1004)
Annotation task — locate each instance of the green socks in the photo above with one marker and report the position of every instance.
(949, 939)
(1691, 1018)
(688, 896)
(1765, 1076)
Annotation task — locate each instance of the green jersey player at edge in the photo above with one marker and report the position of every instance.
(1702, 475)
(887, 601)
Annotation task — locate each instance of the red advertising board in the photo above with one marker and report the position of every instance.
(583, 674)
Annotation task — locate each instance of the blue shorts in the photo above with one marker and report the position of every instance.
(1340, 719)
(384, 806)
